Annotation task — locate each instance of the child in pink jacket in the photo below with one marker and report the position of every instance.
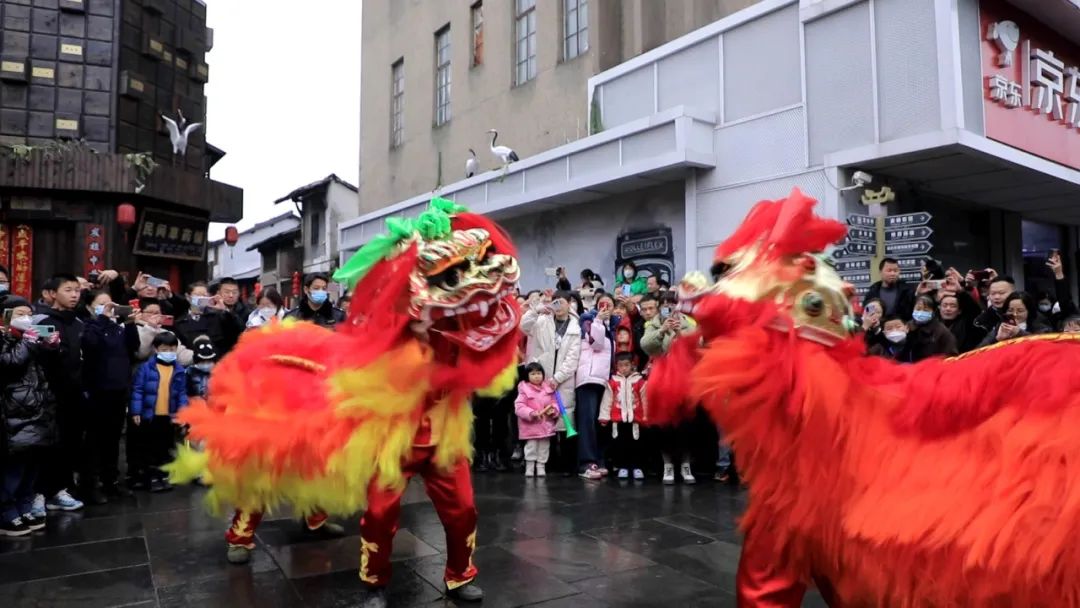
(537, 414)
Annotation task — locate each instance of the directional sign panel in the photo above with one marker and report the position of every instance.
(862, 291)
(856, 278)
(852, 266)
(910, 263)
(908, 220)
(858, 249)
(908, 248)
(861, 235)
(919, 233)
(861, 221)
(912, 275)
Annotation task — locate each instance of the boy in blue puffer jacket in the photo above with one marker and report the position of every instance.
(158, 392)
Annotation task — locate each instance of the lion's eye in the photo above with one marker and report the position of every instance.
(813, 304)
(449, 278)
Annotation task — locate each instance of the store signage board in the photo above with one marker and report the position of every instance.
(171, 235)
(1031, 84)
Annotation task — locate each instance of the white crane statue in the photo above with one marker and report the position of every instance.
(472, 166)
(179, 132)
(505, 154)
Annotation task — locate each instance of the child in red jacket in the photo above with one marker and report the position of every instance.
(624, 406)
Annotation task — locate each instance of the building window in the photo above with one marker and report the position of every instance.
(525, 38)
(442, 76)
(575, 28)
(477, 34)
(269, 260)
(316, 228)
(397, 103)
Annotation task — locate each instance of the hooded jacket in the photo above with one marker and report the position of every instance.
(558, 356)
(624, 401)
(531, 399)
(144, 390)
(27, 401)
(594, 363)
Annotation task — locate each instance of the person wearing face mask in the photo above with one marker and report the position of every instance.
(107, 345)
(629, 285)
(198, 374)
(315, 305)
(893, 340)
(5, 284)
(158, 392)
(1019, 320)
(270, 306)
(555, 343)
(207, 316)
(929, 337)
(27, 417)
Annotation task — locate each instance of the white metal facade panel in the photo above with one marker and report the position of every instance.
(648, 144)
(547, 174)
(470, 197)
(628, 97)
(839, 95)
(595, 159)
(757, 149)
(971, 64)
(510, 186)
(907, 75)
(762, 65)
(691, 77)
(721, 211)
(583, 236)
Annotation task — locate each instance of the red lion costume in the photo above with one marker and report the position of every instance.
(944, 483)
(336, 423)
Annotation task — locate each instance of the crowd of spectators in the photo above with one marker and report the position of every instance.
(95, 363)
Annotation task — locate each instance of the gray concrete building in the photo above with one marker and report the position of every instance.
(438, 74)
(968, 110)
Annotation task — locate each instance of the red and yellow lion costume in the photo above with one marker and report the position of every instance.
(304, 417)
(944, 483)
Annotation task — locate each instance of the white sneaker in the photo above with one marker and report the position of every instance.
(530, 469)
(639, 474)
(63, 502)
(687, 475)
(624, 474)
(38, 510)
(669, 474)
(541, 469)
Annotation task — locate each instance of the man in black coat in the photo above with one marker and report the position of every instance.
(897, 295)
(229, 292)
(209, 317)
(315, 304)
(67, 383)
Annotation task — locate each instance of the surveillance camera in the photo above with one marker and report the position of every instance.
(861, 178)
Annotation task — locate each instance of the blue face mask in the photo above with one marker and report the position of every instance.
(4, 287)
(319, 296)
(922, 317)
(167, 357)
(99, 310)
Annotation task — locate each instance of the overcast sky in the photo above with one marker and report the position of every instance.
(284, 97)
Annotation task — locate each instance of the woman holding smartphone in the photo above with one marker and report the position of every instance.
(108, 342)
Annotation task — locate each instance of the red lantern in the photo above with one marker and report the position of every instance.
(125, 217)
(231, 236)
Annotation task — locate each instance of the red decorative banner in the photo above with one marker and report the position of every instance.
(22, 262)
(5, 247)
(94, 255)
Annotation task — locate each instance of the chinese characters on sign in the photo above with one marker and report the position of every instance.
(5, 247)
(1031, 84)
(1046, 85)
(95, 249)
(171, 235)
(22, 261)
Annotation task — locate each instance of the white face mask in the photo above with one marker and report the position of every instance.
(267, 313)
(896, 337)
(1022, 326)
(628, 273)
(22, 323)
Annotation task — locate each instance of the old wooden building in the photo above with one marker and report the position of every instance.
(100, 164)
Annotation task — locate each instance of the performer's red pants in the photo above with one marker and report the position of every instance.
(763, 583)
(452, 495)
(242, 531)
